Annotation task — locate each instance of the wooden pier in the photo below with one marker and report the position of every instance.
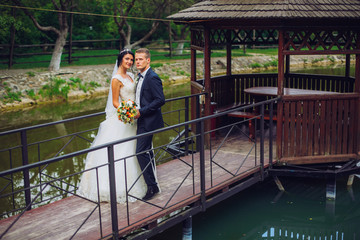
(180, 186)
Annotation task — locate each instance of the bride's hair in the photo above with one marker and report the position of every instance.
(122, 54)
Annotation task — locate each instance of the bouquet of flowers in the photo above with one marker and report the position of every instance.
(127, 111)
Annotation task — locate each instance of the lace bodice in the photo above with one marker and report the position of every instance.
(127, 92)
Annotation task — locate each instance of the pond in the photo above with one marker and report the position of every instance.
(263, 212)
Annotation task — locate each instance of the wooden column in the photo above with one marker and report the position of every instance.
(357, 89)
(280, 93)
(287, 70)
(281, 64)
(228, 53)
(347, 66)
(207, 75)
(357, 65)
(193, 77)
(207, 78)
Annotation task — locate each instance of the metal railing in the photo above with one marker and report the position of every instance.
(196, 146)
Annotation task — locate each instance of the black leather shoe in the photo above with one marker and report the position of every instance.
(152, 190)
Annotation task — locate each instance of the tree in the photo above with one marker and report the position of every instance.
(152, 9)
(180, 32)
(61, 31)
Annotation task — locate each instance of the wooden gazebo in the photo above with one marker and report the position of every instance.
(317, 128)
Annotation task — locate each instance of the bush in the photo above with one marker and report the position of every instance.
(31, 94)
(11, 96)
(255, 65)
(56, 88)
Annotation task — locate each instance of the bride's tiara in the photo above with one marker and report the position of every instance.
(125, 50)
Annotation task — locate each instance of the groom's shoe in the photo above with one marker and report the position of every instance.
(152, 190)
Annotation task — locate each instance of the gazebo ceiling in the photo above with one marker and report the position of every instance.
(338, 12)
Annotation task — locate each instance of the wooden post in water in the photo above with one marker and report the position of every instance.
(330, 196)
(187, 229)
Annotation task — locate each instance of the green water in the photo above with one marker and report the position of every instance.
(301, 212)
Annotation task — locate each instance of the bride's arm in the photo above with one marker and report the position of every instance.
(116, 85)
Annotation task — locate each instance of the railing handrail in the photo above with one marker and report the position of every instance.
(81, 117)
(84, 151)
(199, 135)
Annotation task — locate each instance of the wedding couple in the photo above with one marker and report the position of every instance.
(147, 92)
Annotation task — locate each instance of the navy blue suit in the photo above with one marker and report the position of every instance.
(151, 99)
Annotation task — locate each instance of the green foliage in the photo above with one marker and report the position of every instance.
(56, 88)
(31, 94)
(255, 65)
(317, 60)
(11, 96)
(155, 65)
(30, 74)
(164, 77)
(77, 82)
(95, 84)
(331, 59)
(272, 63)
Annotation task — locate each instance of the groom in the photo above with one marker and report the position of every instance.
(149, 99)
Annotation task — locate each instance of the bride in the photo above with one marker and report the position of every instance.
(122, 87)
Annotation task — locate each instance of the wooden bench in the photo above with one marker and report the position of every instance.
(254, 115)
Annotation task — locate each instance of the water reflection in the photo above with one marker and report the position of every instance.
(300, 213)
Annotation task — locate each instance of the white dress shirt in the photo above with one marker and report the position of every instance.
(138, 88)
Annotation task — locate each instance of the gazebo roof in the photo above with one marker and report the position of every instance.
(270, 9)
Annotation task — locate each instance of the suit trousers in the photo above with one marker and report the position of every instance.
(146, 158)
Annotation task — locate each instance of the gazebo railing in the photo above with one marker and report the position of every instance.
(318, 128)
(229, 90)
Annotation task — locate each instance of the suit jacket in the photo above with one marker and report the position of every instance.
(151, 99)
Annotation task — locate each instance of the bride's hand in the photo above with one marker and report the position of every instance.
(137, 114)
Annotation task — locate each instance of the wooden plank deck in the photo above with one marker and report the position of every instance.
(59, 220)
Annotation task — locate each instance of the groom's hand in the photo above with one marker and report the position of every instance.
(137, 114)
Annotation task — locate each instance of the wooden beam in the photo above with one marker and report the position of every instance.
(319, 52)
(280, 93)
(207, 78)
(318, 159)
(228, 53)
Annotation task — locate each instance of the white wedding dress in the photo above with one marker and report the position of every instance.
(110, 130)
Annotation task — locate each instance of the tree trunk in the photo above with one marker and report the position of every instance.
(144, 38)
(180, 48)
(57, 53)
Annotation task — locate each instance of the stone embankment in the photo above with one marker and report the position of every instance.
(23, 80)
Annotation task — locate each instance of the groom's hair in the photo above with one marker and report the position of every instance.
(144, 50)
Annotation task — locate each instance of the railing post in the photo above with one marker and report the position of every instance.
(113, 204)
(198, 123)
(202, 165)
(186, 126)
(262, 137)
(271, 125)
(25, 161)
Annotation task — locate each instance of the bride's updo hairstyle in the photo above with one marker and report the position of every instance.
(122, 54)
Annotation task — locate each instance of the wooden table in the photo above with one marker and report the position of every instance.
(272, 91)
